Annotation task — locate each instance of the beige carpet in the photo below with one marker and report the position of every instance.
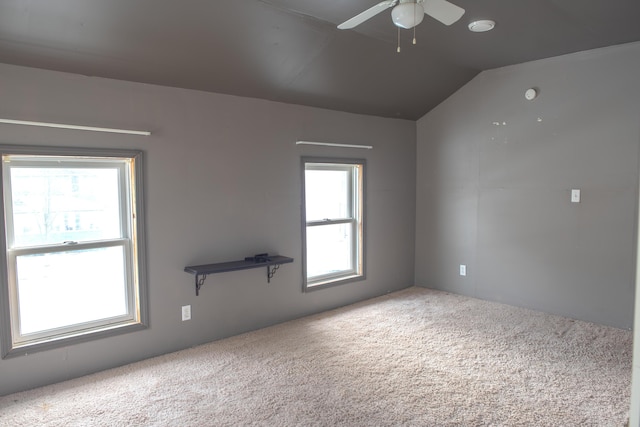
(413, 358)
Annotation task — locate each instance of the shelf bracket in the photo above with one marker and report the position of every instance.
(200, 278)
(271, 272)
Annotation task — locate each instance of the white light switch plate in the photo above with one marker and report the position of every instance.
(186, 312)
(575, 196)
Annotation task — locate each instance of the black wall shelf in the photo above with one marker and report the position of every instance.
(271, 262)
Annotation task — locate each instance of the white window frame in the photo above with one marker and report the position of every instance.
(131, 240)
(355, 217)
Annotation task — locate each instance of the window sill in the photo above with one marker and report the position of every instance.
(24, 349)
(328, 283)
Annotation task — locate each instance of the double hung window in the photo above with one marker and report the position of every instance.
(72, 247)
(333, 249)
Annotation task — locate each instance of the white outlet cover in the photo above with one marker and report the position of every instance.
(463, 270)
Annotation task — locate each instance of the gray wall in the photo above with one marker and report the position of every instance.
(222, 182)
(494, 178)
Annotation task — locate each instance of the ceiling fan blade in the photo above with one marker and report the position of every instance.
(367, 14)
(443, 11)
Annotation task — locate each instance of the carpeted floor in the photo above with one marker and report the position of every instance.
(417, 357)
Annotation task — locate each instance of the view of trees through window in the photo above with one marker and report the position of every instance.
(64, 206)
(54, 205)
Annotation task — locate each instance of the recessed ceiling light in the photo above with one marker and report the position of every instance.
(482, 25)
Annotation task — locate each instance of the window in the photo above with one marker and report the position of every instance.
(333, 236)
(73, 246)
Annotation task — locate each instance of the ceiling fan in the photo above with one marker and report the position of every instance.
(409, 13)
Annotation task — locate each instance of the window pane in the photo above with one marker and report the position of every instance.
(329, 249)
(69, 288)
(327, 194)
(53, 205)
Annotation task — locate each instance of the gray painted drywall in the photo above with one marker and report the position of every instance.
(634, 411)
(494, 175)
(222, 182)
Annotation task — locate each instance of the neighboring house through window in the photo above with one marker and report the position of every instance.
(333, 213)
(73, 246)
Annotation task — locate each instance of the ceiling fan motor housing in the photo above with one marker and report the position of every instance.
(407, 15)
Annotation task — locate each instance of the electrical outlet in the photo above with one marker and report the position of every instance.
(186, 312)
(463, 270)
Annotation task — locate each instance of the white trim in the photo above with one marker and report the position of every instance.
(332, 144)
(75, 127)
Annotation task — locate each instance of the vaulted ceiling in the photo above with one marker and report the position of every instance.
(291, 50)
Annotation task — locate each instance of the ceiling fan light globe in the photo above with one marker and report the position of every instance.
(407, 15)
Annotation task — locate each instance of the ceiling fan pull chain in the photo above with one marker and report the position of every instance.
(414, 21)
(398, 40)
